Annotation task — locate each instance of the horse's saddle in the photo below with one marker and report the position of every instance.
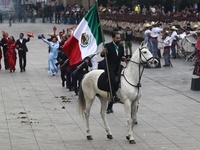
(103, 83)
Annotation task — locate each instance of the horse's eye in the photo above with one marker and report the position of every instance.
(145, 52)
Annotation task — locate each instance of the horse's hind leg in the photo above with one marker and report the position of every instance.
(89, 103)
(104, 104)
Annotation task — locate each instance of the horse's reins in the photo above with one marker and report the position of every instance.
(139, 64)
(140, 74)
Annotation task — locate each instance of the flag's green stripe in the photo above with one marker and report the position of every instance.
(95, 26)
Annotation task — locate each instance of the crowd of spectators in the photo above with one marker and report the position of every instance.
(156, 10)
(72, 14)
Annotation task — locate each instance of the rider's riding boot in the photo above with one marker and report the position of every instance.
(115, 99)
(109, 108)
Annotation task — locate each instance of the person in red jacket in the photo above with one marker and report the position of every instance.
(11, 54)
(0, 57)
(196, 70)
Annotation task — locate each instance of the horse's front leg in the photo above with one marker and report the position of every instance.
(137, 103)
(130, 121)
(104, 104)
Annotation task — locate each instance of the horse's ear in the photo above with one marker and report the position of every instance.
(142, 44)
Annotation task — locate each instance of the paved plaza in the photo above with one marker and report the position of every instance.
(37, 113)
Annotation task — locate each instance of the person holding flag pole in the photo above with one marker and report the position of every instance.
(114, 54)
(85, 40)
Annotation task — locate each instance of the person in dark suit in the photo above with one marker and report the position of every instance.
(1, 17)
(81, 69)
(3, 43)
(62, 61)
(22, 49)
(115, 54)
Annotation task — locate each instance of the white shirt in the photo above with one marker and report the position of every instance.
(155, 31)
(174, 35)
(58, 37)
(193, 32)
(167, 41)
(182, 36)
(147, 31)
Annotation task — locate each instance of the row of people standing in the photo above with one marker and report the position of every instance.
(11, 48)
(168, 36)
(169, 39)
(70, 75)
(151, 38)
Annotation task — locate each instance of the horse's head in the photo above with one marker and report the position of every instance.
(145, 56)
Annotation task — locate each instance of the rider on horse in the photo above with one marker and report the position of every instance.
(115, 54)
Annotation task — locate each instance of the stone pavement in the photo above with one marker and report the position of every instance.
(37, 113)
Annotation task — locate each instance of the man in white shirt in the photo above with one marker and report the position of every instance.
(147, 34)
(167, 42)
(174, 41)
(154, 35)
(155, 31)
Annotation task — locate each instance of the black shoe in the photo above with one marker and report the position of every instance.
(24, 69)
(109, 111)
(21, 70)
(115, 99)
(63, 83)
(166, 65)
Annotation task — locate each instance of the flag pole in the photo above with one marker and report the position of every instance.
(106, 60)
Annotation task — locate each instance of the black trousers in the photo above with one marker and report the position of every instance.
(5, 60)
(22, 60)
(75, 82)
(114, 79)
(69, 80)
(110, 105)
(63, 74)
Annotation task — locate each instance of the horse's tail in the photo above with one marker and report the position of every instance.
(81, 101)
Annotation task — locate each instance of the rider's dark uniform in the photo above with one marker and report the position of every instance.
(115, 52)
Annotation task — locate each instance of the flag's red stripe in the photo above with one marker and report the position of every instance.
(72, 50)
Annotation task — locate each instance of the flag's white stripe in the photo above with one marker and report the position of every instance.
(92, 47)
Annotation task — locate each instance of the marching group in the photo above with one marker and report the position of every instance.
(57, 59)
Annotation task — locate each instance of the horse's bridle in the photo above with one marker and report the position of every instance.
(141, 62)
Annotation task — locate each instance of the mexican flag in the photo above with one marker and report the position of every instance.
(85, 39)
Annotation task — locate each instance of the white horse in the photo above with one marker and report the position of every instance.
(129, 91)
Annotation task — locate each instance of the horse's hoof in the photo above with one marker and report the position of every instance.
(89, 137)
(127, 137)
(109, 136)
(132, 142)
